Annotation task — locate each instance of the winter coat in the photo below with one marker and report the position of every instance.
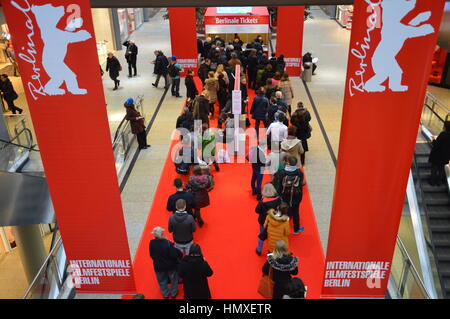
(257, 157)
(203, 71)
(259, 108)
(293, 146)
(191, 89)
(303, 128)
(161, 64)
(212, 86)
(200, 186)
(8, 90)
(113, 66)
(282, 270)
(194, 271)
(131, 53)
(137, 125)
(278, 184)
(263, 207)
(182, 225)
(187, 196)
(288, 92)
(440, 152)
(165, 256)
(201, 108)
(277, 229)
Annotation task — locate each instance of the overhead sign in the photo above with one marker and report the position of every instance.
(56, 51)
(373, 165)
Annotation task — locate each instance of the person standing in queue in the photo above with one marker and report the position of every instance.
(9, 94)
(195, 270)
(113, 67)
(200, 184)
(161, 64)
(259, 109)
(201, 108)
(165, 262)
(131, 57)
(204, 69)
(212, 86)
(181, 194)
(174, 71)
(289, 184)
(283, 265)
(182, 225)
(191, 88)
(136, 123)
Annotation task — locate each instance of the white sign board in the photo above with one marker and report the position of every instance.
(237, 101)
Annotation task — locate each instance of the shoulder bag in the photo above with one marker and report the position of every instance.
(266, 285)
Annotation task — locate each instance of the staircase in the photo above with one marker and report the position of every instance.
(436, 203)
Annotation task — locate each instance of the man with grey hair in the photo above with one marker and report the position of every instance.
(282, 105)
(165, 262)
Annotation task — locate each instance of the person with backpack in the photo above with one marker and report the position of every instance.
(165, 262)
(200, 184)
(269, 200)
(182, 225)
(180, 194)
(9, 94)
(289, 184)
(161, 63)
(174, 71)
(257, 157)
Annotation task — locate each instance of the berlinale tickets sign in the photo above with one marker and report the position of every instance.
(390, 56)
(56, 50)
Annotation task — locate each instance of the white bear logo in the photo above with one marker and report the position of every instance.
(55, 48)
(393, 36)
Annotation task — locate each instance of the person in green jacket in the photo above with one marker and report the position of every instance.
(208, 143)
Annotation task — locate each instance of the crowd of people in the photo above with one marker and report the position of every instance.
(277, 203)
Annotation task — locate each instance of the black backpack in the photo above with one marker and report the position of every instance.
(291, 186)
(173, 70)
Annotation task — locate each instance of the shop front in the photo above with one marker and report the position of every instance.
(246, 22)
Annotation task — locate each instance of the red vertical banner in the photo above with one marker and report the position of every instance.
(57, 55)
(290, 25)
(183, 37)
(391, 49)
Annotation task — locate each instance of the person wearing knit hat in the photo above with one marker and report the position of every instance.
(137, 123)
(174, 72)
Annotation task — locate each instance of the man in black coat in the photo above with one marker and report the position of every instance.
(180, 194)
(207, 47)
(289, 183)
(161, 64)
(9, 95)
(440, 156)
(131, 57)
(257, 157)
(259, 109)
(165, 262)
(204, 69)
(182, 225)
(307, 58)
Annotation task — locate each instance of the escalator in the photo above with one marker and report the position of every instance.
(435, 201)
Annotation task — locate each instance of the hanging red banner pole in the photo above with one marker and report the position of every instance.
(56, 50)
(183, 37)
(382, 107)
(290, 25)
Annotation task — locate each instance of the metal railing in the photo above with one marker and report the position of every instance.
(48, 282)
(405, 281)
(434, 114)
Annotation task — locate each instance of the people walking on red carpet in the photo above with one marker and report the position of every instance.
(181, 194)
(165, 262)
(195, 270)
(283, 265)
(200, 185)
(257, 157)
(277, 224)
(289, 184)
(270, 200)
(292, 145)
(182, 225)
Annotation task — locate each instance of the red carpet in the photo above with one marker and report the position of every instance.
(229, 237)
